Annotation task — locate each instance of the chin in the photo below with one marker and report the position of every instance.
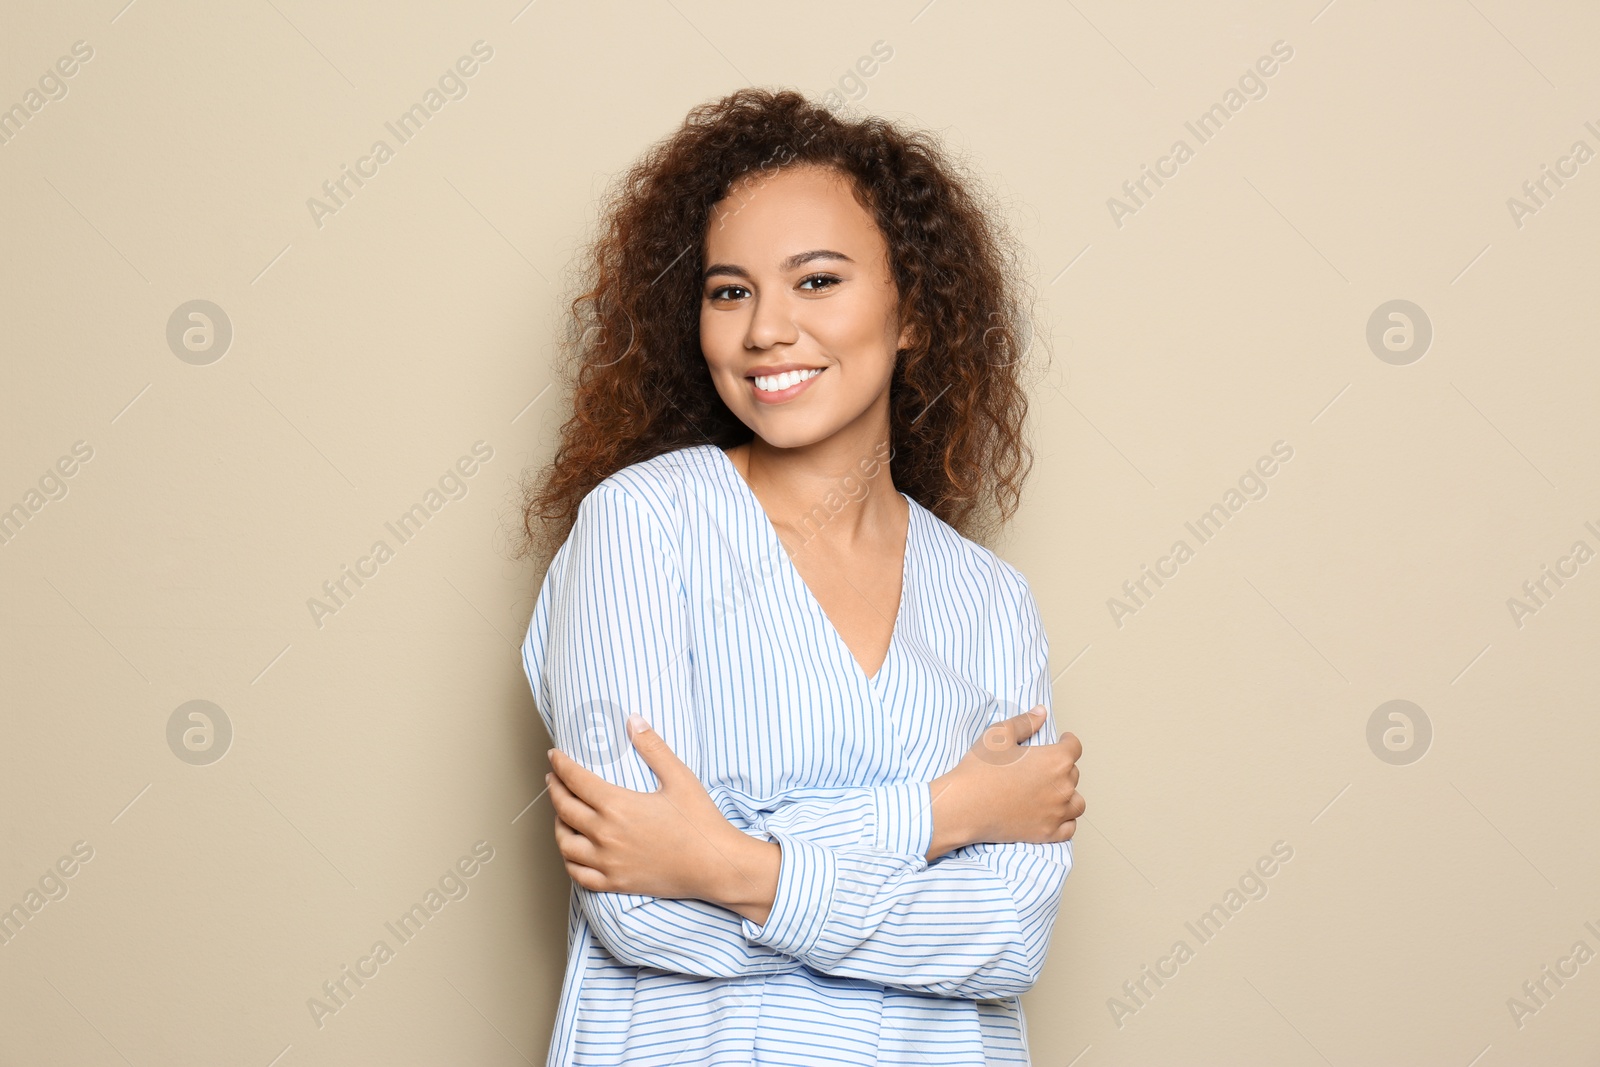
(786, 436)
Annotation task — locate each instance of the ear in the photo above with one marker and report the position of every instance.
(909, 337)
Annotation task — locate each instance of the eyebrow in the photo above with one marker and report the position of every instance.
(799, 259)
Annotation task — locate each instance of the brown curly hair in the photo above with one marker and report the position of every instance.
(639, 382)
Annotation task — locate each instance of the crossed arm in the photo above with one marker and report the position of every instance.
(857, 884)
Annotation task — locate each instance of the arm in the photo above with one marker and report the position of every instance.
(609, 635)
(908, 817)
(617, 641)
(976, 924)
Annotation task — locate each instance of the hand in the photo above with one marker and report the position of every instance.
(667, 843)
(1005, 791)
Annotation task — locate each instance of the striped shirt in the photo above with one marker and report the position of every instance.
(674, 597)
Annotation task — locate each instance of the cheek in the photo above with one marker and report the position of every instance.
(720, 346)
(858, 334)
(717, 339)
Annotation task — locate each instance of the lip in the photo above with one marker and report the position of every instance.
(777, 368)
(782, 396)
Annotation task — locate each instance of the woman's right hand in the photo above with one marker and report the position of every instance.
(1004, 791)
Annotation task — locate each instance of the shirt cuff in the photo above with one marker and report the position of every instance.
(904, 818)
(807, 876)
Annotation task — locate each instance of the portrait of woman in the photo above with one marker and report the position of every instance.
(805, 780)
(599, 534)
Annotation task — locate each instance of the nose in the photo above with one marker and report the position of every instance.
(770, 324)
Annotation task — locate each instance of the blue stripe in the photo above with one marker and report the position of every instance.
(673, 597)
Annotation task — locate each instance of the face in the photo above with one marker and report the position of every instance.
(797, 279)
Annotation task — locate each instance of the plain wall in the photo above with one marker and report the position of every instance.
(1240, 704)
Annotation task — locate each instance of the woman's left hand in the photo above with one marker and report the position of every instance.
(674, 842)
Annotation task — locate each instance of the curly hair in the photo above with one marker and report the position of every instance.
(639, 382)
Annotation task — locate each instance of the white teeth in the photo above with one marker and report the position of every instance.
(772, 383)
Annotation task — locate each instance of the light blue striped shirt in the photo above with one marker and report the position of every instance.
(673, 597)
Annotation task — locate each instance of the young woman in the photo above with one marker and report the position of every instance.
(837, 837)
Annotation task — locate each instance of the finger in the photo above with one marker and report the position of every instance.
(1079, 804)
(1063, 776)
(1068, 828)
(565, 832)
(1003, 737)
(570, 808)
(574, 847)
(654, 749)
(1027, 724)
(1020, 728)
(580, 780)
(587, 877)
(1070, 742)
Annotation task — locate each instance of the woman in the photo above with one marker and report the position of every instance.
(837, 837)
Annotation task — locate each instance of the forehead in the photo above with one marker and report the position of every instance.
(766, 217)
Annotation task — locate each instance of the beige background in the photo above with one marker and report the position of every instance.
(1228, 312)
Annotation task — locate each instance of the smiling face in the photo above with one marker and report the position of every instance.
(799, 315)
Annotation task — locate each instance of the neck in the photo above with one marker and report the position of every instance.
(837, 489)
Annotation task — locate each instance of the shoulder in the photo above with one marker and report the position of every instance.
(662, 474)
(654, 490)
(973, 564)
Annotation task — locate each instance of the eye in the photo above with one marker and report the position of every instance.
(719, 292)
(831, 279)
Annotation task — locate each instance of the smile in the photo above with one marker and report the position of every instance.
(773, 388)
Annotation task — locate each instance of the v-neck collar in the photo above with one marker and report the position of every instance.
(749, 496)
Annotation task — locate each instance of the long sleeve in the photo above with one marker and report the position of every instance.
(889, 818)
(614, 622)
(974, 924)
(613, 631)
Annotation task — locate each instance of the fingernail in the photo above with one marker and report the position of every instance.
(550, 753)
(636, 723)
